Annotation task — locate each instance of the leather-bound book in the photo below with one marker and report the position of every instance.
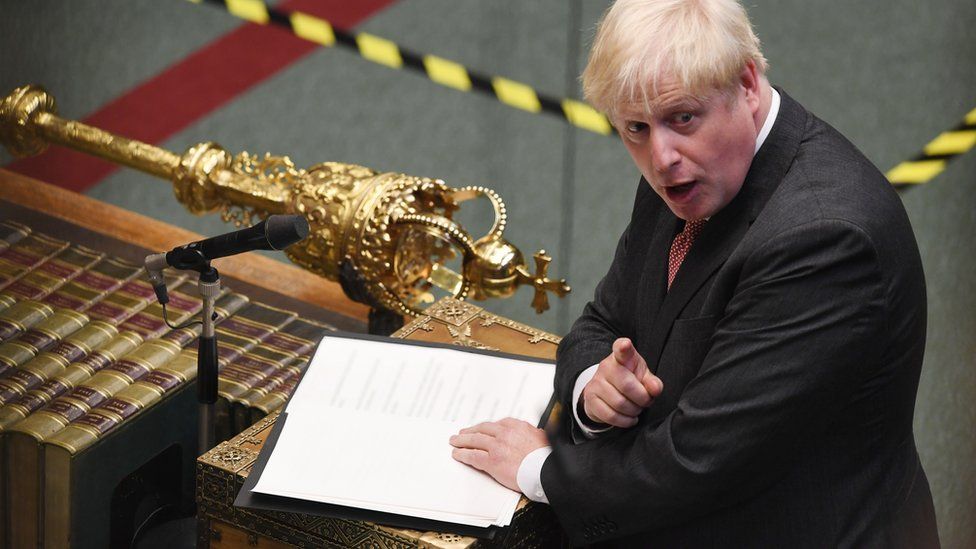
(24, 454)
(6, 301)
(54, 273)
(12, 232)
(104, 278)
(85, 362)
(129, 299)
(279, 350)
(19, 380)
(247, 329)
(120, 305)
(87, 287)
(109, 414)
(158, 404)
(151, 321)
(20, 316)
(93, 285)
(65, 448)
(22, 257)
(251, 407)
(282, 386)
(140, 387)
(238, 336)
(39, 338)
(48, 364)
(153, 353)
(23, 439)
(242, 374)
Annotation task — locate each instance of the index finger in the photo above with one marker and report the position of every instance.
(624, 353)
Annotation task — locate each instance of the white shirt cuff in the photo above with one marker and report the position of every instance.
(581, 381)
(529, 476)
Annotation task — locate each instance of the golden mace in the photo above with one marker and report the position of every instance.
(392, 233)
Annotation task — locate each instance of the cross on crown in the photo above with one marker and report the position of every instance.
(541, 283)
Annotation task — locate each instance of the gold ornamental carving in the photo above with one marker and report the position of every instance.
(395, 232)
(457, 314)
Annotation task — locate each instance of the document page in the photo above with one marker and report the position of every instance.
(368, 427)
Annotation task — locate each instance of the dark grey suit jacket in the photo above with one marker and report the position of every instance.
(790, 346)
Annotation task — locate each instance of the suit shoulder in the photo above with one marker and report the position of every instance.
(831, 179)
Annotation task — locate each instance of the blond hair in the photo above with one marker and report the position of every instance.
(702, 44)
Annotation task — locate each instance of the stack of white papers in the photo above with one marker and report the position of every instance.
(368, 427)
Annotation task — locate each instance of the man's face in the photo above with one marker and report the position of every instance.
(694, 153)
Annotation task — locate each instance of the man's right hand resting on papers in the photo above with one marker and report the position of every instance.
(621, 387)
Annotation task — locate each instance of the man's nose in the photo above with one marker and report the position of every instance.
(663, 153)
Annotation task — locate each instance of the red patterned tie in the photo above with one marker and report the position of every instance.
(679, 248)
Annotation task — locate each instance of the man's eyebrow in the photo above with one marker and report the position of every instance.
(676, 102)
(659, 108)
(636, 110)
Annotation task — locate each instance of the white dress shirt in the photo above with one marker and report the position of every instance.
(529, 476)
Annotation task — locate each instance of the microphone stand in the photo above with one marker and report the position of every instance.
(209, 286)
(274, 233)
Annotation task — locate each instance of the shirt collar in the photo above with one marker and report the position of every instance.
(770, 118)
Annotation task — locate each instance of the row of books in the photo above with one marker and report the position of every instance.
(85, 349)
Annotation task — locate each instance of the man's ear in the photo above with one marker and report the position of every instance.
(751, 82)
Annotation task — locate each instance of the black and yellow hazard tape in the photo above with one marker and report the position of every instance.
(936, 154)
(442, 71)
(920, 169)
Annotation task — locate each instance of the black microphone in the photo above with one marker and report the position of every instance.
(274, 233)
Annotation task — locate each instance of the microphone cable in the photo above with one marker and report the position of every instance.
(186, 324)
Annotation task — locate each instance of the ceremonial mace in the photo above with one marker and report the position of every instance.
(386, 237)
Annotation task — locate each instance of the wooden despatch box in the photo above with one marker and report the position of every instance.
(221, 471)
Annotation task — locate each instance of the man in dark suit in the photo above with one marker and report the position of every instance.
(745, 375)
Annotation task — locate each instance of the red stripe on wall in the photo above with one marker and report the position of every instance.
(193, 87)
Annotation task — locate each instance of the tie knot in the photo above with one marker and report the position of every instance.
(693, 228)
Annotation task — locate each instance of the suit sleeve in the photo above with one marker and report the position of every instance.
(797, 338)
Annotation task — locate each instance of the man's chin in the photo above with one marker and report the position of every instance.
(688, 212)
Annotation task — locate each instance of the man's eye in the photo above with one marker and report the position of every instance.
(683, 118)
(635, 127)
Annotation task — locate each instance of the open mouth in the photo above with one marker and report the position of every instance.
(679, 192)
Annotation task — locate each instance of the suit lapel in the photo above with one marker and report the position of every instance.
(654, 274)
(725, 230)
(713, 246)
